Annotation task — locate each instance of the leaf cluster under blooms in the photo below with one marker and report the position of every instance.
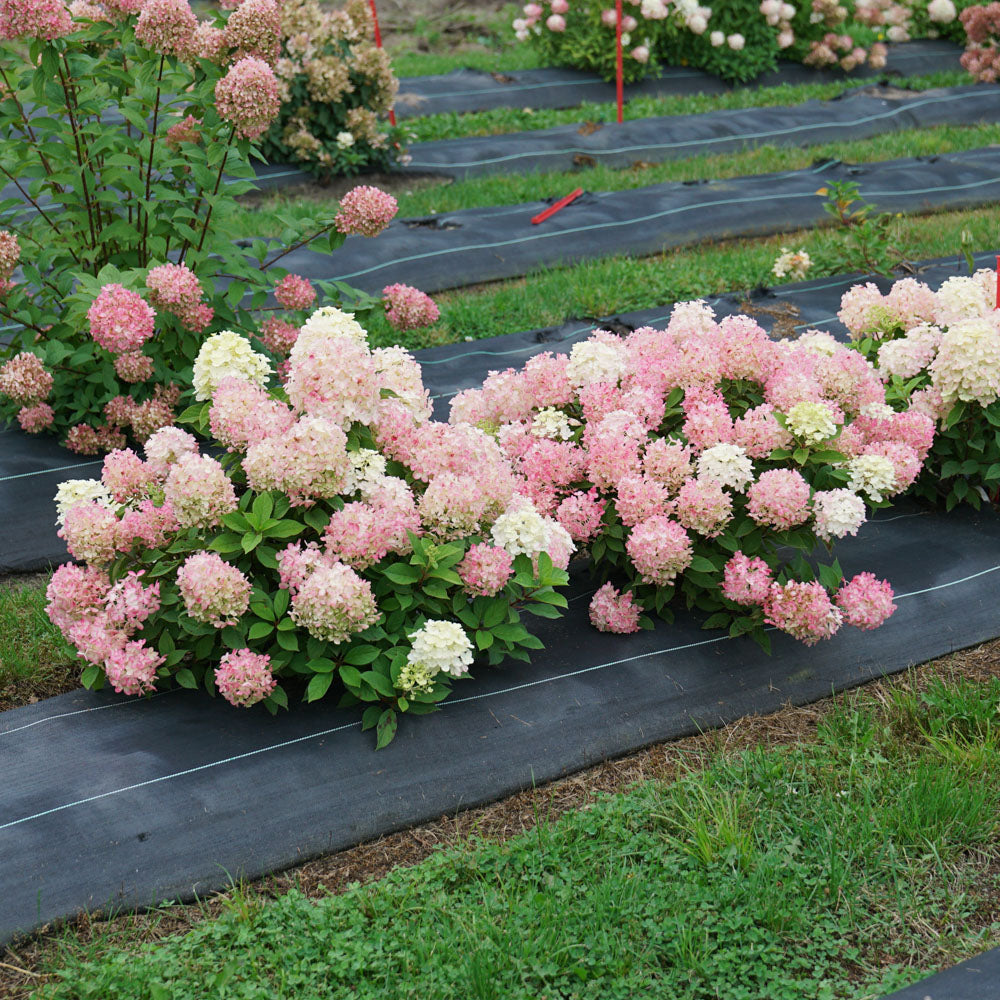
(690, 460)
(737, 40)
(343, 538)
(126, 131)
(939, 353)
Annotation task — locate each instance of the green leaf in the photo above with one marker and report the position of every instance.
(385, 729)
(361, 656)
(259, 629)
(484, 639)
(318, 686)
(402, 573)
(380, 682)
(702, 565)
(185, 678)
(351, 677)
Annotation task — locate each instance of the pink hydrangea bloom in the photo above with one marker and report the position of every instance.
(89, 532)
(295, 292)
(95, 638)
(906, 462)
(242, 414)
(10, 252)
(34, 19)
(87, 440)
(703, 506)
(244, 677)
(362, 533)
(153, 526)
(660, 549)
(365, 211)
(335, 378)
(75, 593)
(214, 591)
(612, 611)
(803, 610)
(308, 462)
(120, 320)
(546, 381)
(37, 418)
(127, 476)
(278, 336)
(639, 498)
(131, 669)
(708, 421)
(186, 130)
(175, 289)
(199, 491)
(408, 308)
(166, 446)
(780, 498)
(668, 462)
(297, 562)
(746, 580)
(166, 26)
(614, 446)
(453, 506)
(254, 29)
(24, 379)
(334, 603)
(247, 97)
(128, 603)
(865, 601)
(580, 514)
(133, 367)
(485, 570)
(758, 433)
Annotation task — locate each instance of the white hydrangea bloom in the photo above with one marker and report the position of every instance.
(967, 365)
(440, 647)
(399, 371)
(521, 530)
(838, 513)
(962, 298)
(811, 422)
(691, 318)
(596, 361)
(941, 11)
(74, 491)
(819, 342)
(909, 355)
(877, 411)
(873, 475)
(793, 263)
(223, 354)
(328, 322)
(728, 465)
(552, 423)
(367, 472)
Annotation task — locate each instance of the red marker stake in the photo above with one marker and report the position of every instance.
(560, 204)
(619, 70)
(378, 45)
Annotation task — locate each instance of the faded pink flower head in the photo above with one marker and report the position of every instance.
(244, 677)
(612, 611)
(408, 308)
(34, 19)
(247, 97)
(167, 26)
(295, 292)
(365, 211)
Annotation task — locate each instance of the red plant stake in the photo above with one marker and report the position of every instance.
(552, 209)
(619, 70)
(378, 45)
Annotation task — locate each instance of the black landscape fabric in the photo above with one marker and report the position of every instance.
(976, 979)
(31, 467)
(868, 112)
(465, 90)
(108, 802)
(457, 249)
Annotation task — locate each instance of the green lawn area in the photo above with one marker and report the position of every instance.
(842, 866)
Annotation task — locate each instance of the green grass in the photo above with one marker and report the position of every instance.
(621, 284)
(33, 655)
(266, 218)
(503, 120)
(839, 868)
(489, 56)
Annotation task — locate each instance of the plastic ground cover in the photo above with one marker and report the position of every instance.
(476, 245)
(31, 467)
(465, 90)
(115, 803)
(861, 114)
(975, 979)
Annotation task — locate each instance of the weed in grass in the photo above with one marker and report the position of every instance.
(835, 869)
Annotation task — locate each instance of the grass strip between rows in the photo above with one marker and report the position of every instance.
(844, 866)
(500, 121)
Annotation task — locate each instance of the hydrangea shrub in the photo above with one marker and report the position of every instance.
(336, 87)
(939, 353)
(343, 542)
(737, 40)
(126, 130)
(690, 461)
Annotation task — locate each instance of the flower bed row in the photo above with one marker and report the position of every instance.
(740, 40)
(348, 542)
